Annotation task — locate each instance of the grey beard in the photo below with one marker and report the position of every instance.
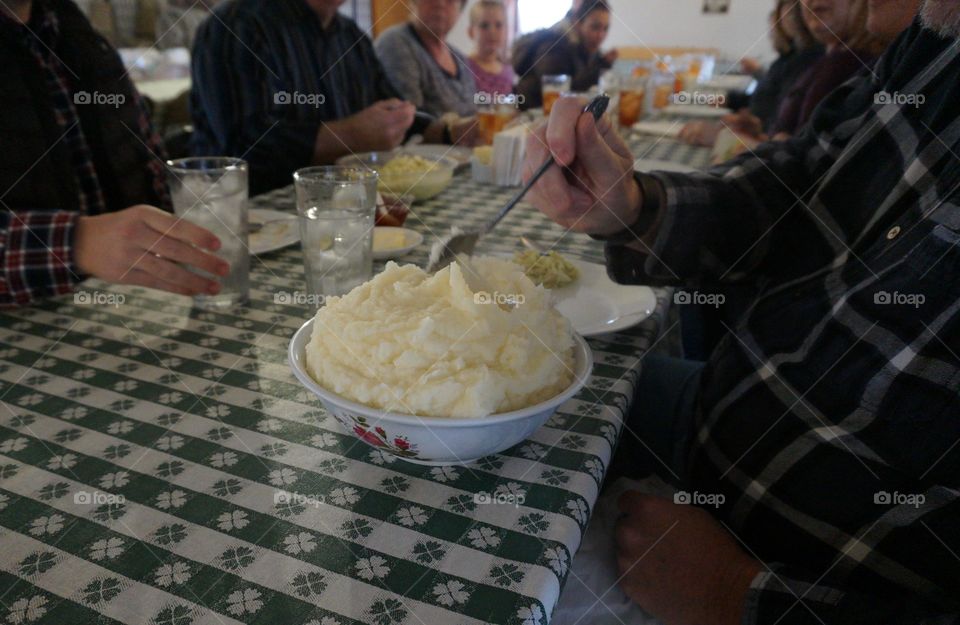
(942, 17)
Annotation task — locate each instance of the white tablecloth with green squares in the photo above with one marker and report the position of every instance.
(143, 444)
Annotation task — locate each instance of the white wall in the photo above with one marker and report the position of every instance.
(741, 32)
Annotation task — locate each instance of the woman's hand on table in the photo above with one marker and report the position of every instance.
(700, 132)
(145, 246)
(743, 122)
(678, 563)
(593, 190)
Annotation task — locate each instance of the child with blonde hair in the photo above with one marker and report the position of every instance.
(488, 30)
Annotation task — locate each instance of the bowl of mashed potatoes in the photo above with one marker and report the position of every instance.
(421, 177)
(444, 368)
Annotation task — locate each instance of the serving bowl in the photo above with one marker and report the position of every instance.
(420, 185)
(434, 440)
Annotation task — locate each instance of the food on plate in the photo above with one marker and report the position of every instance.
(387, 239)
(551, 270)
(407, 164)
(392, 211)
(475, 339)
(484, 154)
(419, 177)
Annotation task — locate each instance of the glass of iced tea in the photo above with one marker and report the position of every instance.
(553, 87)
(662, 85)
(494, 118)
(633, 96)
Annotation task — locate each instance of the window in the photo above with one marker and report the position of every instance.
(536, 14)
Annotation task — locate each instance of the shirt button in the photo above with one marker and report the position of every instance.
(894, 233)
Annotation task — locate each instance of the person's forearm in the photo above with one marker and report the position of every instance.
(335, 139)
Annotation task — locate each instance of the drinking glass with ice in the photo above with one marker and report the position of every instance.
(337, 208)
(212, 192)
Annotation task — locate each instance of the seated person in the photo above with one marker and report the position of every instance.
(427, 70)
(488, 30)
(551, 53)
(178, 21)
(798, 50)
(841, 26)
(82, 171)
(825, 424)
(286, 84)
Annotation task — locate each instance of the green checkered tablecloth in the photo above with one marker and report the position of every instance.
(143, 445)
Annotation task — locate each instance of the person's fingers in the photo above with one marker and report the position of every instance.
(552, 190)
(561, 129)
(612, 138)
(592, 151)
(142, 278)
(179, 228)
(169, 272)
(178, 251)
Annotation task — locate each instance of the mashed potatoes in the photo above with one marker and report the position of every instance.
(465, 342)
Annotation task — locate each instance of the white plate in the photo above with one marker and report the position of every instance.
(435, 152)
(695, 110)
(274, 236)
(668, 130)
(597, 305)
(647, 165)
(729, 82)
(412, 240)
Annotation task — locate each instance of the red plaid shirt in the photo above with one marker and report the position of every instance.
(36, 247)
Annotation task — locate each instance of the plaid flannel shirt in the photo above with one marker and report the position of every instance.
(36, 247)
(829, 417)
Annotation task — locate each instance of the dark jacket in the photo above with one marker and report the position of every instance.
(554, 53)
(779, 80)
(36, 170)
(815, 84)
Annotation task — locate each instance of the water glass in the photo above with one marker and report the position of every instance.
(212, 193)
(337, 208)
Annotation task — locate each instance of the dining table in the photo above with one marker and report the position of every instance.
(144, 444)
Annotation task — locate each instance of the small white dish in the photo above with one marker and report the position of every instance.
(597, 305)
(282, 232)
(696, 110)
(385, 239)
(666, 130)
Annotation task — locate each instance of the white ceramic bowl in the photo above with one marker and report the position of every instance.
(420, 185)
(432, 440)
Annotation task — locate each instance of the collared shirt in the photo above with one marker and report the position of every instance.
(828, 419)
(266, 76)
(36, 247)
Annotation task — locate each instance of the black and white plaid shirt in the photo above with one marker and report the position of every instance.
(829, 418)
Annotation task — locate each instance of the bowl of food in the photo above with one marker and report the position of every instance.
(436, 371)
(422, 177)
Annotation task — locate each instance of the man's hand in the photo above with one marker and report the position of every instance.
(145, 246)
(679, 564)
(381, 126)
(611, 56)
(593, 189)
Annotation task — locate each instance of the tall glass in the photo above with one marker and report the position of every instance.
(212, 192)
(337, 208)
(553, 87)
(633, 96)
(492, 119)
